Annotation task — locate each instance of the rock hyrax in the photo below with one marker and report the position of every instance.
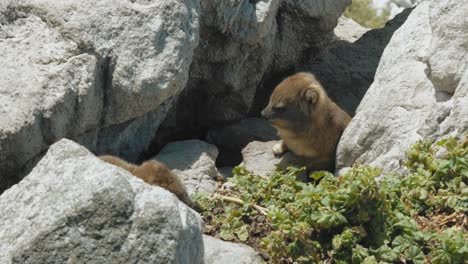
(155, 173)
(308, 122)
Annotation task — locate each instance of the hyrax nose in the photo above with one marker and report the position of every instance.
(265, 113)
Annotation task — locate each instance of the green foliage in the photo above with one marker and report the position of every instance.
(352, 218)
(438, 184)
(362, 12)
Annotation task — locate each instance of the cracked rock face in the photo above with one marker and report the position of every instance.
(258, 158)
(218, 251)
(420, 88)
(75, 208)
(244, 43)
(193, 161)
(346, 68)
(99, 72)
(233, 138)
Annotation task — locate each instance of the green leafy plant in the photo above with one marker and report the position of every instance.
(363, 13)
(354, 218)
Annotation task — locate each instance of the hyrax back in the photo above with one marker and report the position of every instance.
(309, 123)
(155, 173)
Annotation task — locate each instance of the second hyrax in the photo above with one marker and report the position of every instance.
(155, 173)
(308, 122)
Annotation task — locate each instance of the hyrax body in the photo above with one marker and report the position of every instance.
(309, 123)
(155, 173)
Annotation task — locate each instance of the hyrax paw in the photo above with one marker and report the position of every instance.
(278, 149)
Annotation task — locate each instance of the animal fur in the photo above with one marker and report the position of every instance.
(155, 173)
(309, 123)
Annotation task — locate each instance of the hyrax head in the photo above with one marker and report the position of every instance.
(294, 101)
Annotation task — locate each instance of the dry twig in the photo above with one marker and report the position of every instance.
(448, 219)
(259, 208)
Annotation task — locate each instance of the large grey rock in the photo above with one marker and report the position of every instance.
(420, 88)
(239, 134)
(349, 30)
(193, 161)
(243, 44)
(231, 139)
(222, 252)
(346, 68)
(225, 172)
(74, 208)
(258, 158)
(98, 72)
(447, 60)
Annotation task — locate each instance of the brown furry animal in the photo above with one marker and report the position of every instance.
(155, 173)
(309, 123)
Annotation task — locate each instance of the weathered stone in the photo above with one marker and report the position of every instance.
(193, 161)
(258, 158)
(231, 139)
(129, 139)
(222, 252)
(225, 172)
(447, 64)
(420, 89)
(75, 208)
(349, 30)
(238, 135)
(71, 68)
(243, 44)
(346, 68)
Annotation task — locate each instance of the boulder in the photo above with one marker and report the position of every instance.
(243, 45)
(348, 31)
(97, 72)
(222, 252)
(75, 208)
(231, 139)
(347, 67)
(447, 60)
(420, 89)
(225, 172)
(258, 158)
(193, 161)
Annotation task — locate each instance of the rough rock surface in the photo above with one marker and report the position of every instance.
(98, 72)
(193, 161)
(74, 208)
(222, 252)
(420, 88)
(241, 41)
(346, 68)
(244, 43)
(231, 139)
(349, 30)
(225, 172)
(258, 158)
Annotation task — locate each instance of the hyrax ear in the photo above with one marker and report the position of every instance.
(311, 96)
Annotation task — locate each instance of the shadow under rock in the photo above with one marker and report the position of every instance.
(347, 69)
